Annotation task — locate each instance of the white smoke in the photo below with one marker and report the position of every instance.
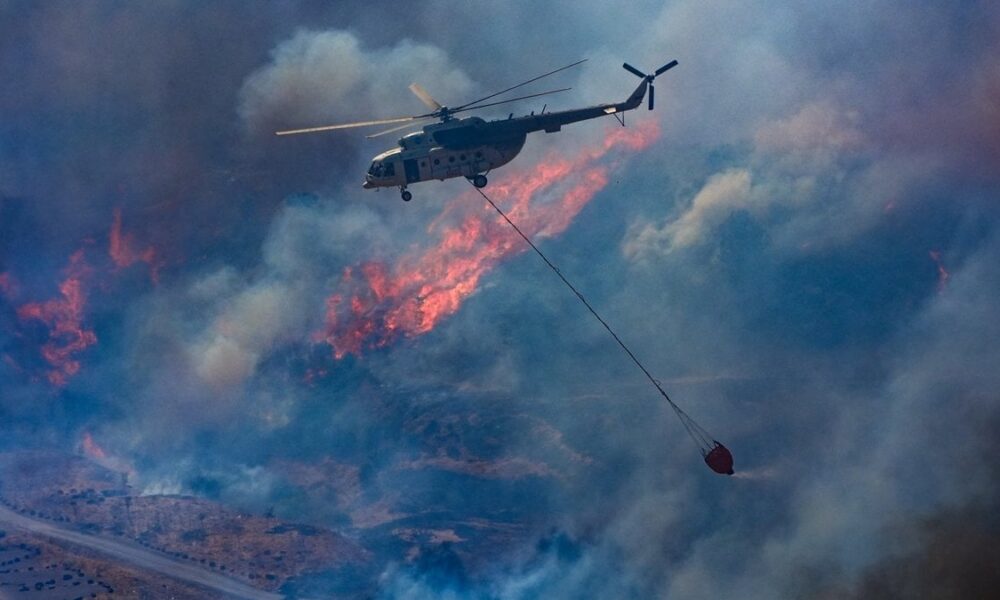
(322, 77)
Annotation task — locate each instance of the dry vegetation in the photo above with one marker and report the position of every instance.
(78, 493)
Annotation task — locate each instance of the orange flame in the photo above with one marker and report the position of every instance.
(91, 449)
(943, 274)
(104, 458)
(64, 317)
(121, 248)
(412, 296)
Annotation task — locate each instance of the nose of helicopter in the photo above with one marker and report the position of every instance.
(368, 183)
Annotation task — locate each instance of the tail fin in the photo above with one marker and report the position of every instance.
(636, 98)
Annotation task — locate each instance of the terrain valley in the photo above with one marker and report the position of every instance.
(84, 524)
(72, 526)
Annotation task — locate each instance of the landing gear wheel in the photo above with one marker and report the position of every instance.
(479, 181)
(407, 196)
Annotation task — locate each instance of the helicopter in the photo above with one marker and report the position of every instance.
(471, 147)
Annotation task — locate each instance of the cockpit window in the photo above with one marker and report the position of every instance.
(382, 169)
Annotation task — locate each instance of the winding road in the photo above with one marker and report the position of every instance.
(138, 556)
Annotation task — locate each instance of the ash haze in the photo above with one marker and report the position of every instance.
(802, 242)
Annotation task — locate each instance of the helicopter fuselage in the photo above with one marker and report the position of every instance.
(472, 146)
(456, 148)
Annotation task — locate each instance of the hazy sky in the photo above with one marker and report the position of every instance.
(802, 242)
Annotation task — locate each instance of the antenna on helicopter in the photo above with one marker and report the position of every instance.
(438, 110)
(649, 78)
(445, 113)
(468, 105)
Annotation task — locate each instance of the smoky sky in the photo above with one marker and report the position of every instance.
(806, 253)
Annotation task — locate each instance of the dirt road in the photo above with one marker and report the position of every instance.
(138, 556)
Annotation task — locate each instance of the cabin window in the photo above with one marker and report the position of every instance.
(423, 163)
(451, 159)
(479, 154)
(462, 157)
(416, 140)
(374, 169)
(437, 161)
(389, 170)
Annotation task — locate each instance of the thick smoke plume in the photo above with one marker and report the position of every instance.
(321, 77)
(807, 255)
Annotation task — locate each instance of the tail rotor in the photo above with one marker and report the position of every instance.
(649, 78)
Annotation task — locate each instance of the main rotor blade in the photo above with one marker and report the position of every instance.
(511, 100)
(669, 65)
(426, 98)
(397, 128)
(469, 104)
(634, 71)
(348, 125)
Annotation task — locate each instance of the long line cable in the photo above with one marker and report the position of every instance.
(701, 437)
